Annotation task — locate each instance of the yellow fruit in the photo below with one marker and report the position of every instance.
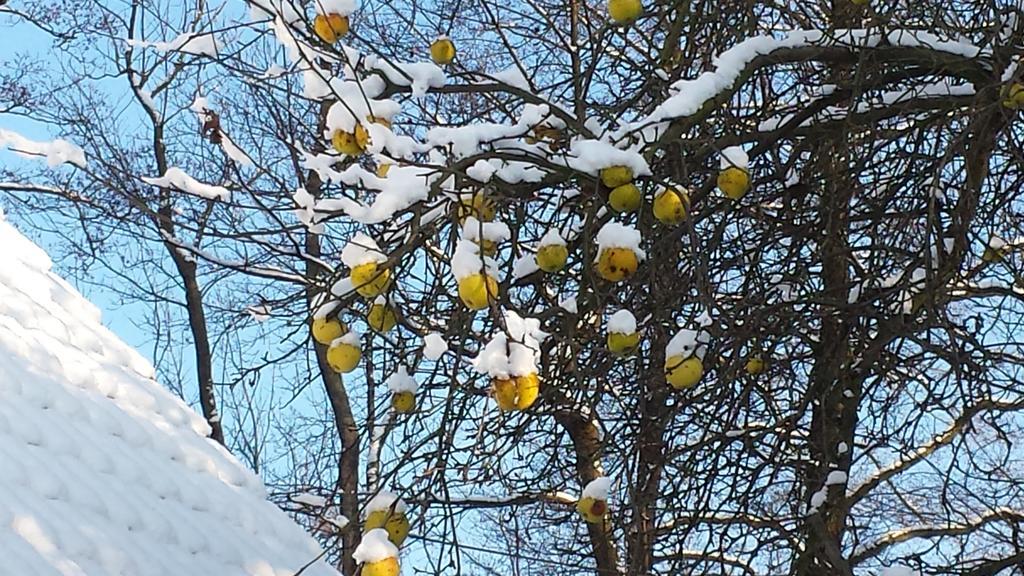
(734, 182)
(546, 133)
(552, 258)
(617, 264)
(343, 358)
(381, 318)
(327, 330)
(330, 27)
(504, 392)
(615, 176)
(350, 143)
(403, 402)
(442, 51)
(755, 365)
(623, 344)
(385, 567)
(625, 11)
(625, 198)
(669, 207)
(591, 509)
(683, 373)
(527, 388)
(393, 521)
(370, 282)
(479, 206)
(382, 170)
(476, 290)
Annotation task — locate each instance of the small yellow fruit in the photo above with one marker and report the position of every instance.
(552, 258)
(734, 182)
(343, 358)
(442, 51)
(479, 206)
(370, 282)
(403, 402)
(381, 318)
(330, 27)
(527, 388)
(504, 392)
(393, 521)
(546, 133)
(683, 373)
(669, 207)
(623, 344)
(488, 247)
(476, 290)
(591, 509)
(351, 143)
(385, 567)
(615, 176)
(625, 11)
(327, 330)
(625, 198)
(993, 255)
(382, 170)
(617, 264)
(755, 365)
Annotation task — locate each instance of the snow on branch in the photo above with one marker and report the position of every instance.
(199, 44)
(55, 152)
(177, 179)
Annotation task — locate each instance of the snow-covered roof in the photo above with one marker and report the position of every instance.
(104, 472)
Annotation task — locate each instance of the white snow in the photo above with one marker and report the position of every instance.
(176, 178)
(898, 571)
(467, 260)
(551, 238)
(590, 156)
(343, 7)
(524, 266)
(516, 353)
(55, 152)
(401, 381)
(384, 501)
(734, 156)
(197, 43)
(104, 471)
(352, 338)
(616, 235)
(473, 229)
(622, 322)
(361, 249)
(996, 243)
(307, 499)
(843, 448)
(434, 346)
(597, 488)
(375, 547)
(569, 305)
(835, 477)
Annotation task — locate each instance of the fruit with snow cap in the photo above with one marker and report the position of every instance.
(330, 27)
(476, 290)
(381, 316)
(624, 12)
(625, 198)
(504, 392)
(516, 392)
(593, 502)
(344, 354)
(1013, 96)
(670, 206)
(377, 555)
(683, 373)
(369, 280)
(615, 176)
(328, 329)
(442, 51)
(552, 253)
(386, 511)
(621, 344)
